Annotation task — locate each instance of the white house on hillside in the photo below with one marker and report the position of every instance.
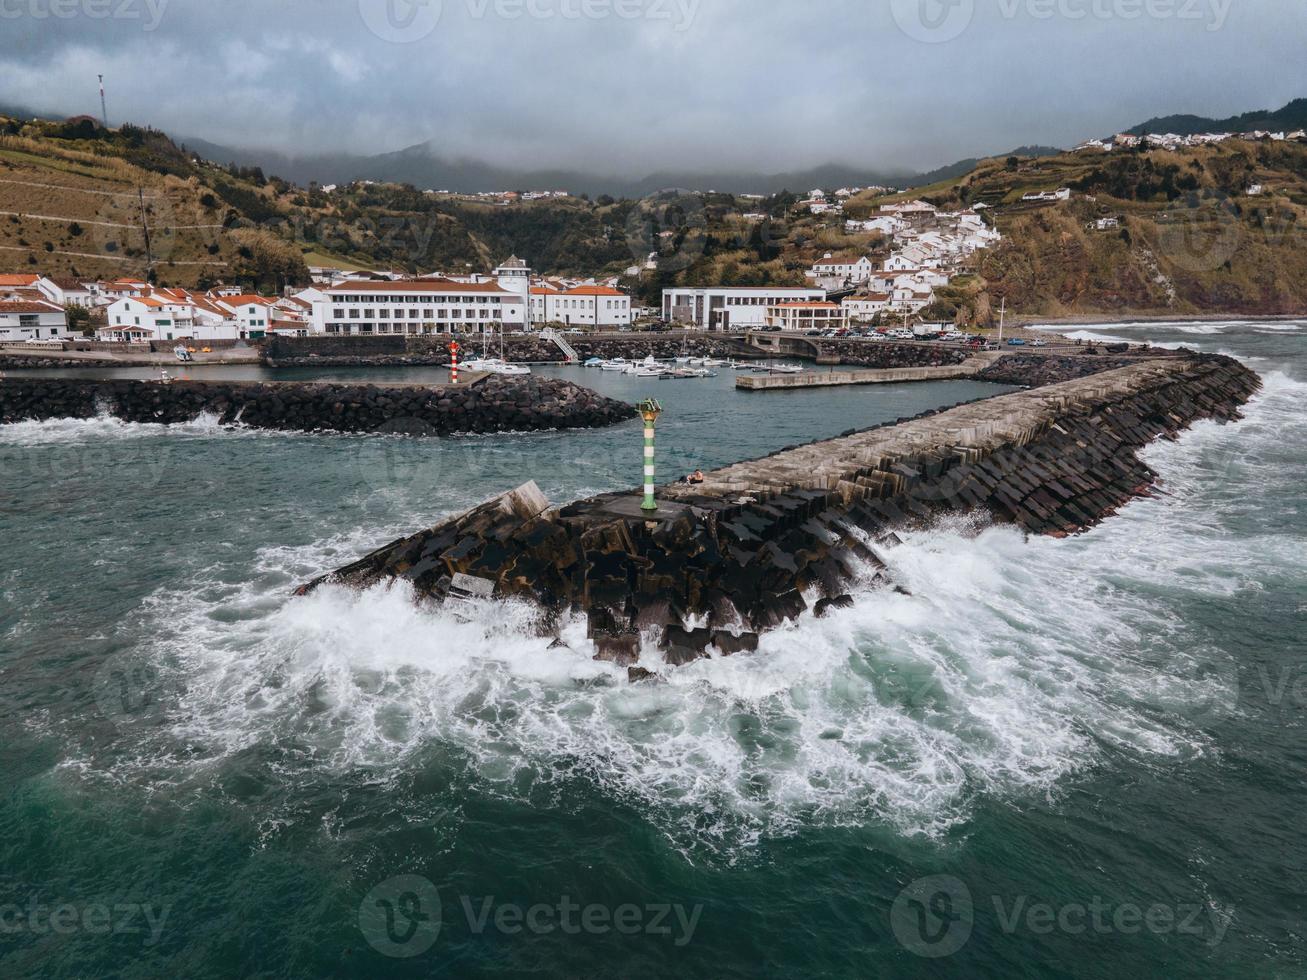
(842, 269)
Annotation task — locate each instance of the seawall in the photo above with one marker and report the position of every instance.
(761, 540)
(492, 404)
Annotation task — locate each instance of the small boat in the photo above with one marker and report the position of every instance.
(616, 364)
(493, 365)
(787, 369)
(682, 360)
(593, 362)
(695, 362)
(182, 354)
(712, 362)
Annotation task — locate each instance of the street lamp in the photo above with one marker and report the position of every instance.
(649, 411)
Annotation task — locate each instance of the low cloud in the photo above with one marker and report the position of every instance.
(637, 86)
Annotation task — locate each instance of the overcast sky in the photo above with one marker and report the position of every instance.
(633, 86)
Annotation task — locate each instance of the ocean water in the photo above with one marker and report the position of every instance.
(1052, 758)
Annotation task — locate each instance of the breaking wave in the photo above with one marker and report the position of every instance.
(1009, 666)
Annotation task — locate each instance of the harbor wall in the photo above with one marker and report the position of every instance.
(761, 541)
(492, 404)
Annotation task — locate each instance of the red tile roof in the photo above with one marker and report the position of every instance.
(593, 291)
(415, 286)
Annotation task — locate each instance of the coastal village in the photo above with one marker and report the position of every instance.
(929, 247)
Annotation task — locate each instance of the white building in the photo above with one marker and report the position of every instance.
(32, 320)
(69, 292)
(580, 306)
(730, 307)
(807, 315)
(514, 276)
(842, 269)
(253, 314)
(886, 224)
(417, 306)
(1061, 194)
(862, 309)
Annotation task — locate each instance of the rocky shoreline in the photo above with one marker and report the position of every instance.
(493, 404)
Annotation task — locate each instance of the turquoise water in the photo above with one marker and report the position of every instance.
(1053, 758)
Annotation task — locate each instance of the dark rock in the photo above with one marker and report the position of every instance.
(834, 602)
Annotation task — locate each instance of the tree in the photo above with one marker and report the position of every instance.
(78, 317)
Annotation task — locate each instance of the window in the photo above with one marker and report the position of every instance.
(338, 314)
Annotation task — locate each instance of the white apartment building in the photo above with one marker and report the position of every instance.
(580, 306)
(805, 316)
(32, 320)
(730, 307)
(417, 306)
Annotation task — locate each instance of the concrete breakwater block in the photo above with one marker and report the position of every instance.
(493, 404)
(815, 518)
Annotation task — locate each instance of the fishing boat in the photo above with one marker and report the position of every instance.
(713, 362)
(615, 364)
(787, 369)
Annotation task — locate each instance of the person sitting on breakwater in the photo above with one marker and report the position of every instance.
(695, 477)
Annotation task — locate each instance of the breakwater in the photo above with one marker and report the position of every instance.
(761, 541)
(492, 404)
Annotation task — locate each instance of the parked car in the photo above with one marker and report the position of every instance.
(1016, 342)
(1039, 343)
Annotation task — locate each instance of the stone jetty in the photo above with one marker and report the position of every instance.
(492, 404)
(760, 541)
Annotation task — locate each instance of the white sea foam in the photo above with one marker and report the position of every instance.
(1011, 665)
(107, 428)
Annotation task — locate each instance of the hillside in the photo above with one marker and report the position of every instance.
(1187, 237)
(1291, 117)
